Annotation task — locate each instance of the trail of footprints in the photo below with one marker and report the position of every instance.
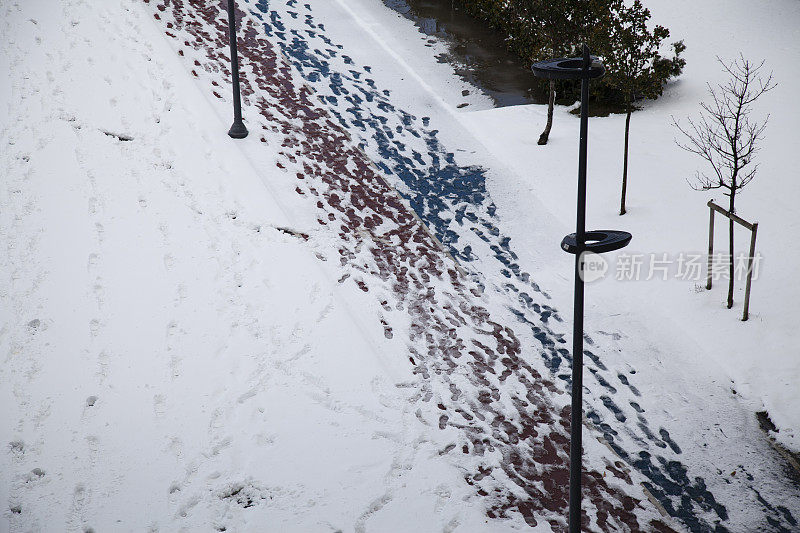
(26, 331)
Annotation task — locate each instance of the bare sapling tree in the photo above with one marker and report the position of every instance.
(727, 138)
(635, 66)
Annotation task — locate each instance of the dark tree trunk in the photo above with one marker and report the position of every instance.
(550, 103)
(625, 162)
(730, 248)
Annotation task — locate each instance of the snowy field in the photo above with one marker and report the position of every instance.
(356, 318)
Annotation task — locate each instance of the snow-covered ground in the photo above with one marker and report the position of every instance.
(191, 342)
(665, 215)
(761, 356)
(170, 355)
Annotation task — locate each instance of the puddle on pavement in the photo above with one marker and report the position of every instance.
(475, 51)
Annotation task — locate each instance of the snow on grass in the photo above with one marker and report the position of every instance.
(761, 356)
(175, 355)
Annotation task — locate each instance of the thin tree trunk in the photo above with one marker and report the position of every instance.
(625, 162)
(730, 247)
(550, 103)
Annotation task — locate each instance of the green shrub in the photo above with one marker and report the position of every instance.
(541, 29)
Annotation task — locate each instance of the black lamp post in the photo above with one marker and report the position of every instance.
(577, 243)
(238, 130)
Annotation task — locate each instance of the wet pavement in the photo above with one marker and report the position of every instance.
(475, 51)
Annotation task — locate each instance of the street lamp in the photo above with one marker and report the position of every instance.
(238, 130)
(598, 241)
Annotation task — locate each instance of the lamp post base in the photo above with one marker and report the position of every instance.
(237, 131)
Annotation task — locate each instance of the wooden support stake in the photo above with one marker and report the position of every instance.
(753, 227)
(734, 217)
(750, 264)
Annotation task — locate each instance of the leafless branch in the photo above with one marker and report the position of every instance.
(724, 135)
